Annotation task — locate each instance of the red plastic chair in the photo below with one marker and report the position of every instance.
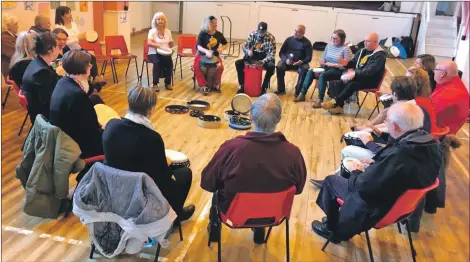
(367, 91)
(100, 57)
(403, 207)
(24, 104)
(185, 42)
(10, 84)
(248, 209)
(440, 132)
(146, 61)
(118, 42)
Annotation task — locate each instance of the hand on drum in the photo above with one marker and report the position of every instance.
(298, 62)
(209, 53)
(375, 130)
(365, 137)
(367, 162)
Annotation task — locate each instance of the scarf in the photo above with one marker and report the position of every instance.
(139, 119)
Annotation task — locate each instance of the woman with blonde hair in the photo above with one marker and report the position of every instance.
(160, 41)
(23, 55)
(427, 63)
(209, 67)
(9, 31)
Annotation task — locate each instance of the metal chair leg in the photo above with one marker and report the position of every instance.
(219, 245)
(399, 227)
(373, 110)
(326, 244)
(103, 67)
(181, 231)
(157, 253)
(371, 255)
(6, 97)
(267, 235)
(136, 66)
(24, 121)
(413, 251)
(139, 77)
(114, 72)
(176, 64)
(148, 77)
(26, 138)
(287, 241)
(314, 88)
(360, 106)
(181, 68)
(128, 63)
(92, 250)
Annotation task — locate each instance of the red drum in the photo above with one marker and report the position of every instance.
(253, 78)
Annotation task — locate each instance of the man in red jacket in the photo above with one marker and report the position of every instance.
(450, 97)
(261, 161)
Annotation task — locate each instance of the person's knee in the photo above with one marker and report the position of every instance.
(240, 63)
(281, 66)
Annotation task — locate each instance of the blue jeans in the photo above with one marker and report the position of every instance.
(323, 78)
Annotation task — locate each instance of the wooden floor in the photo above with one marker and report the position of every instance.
(443, 236)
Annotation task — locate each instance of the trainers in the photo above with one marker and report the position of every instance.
(156, 88)
(258, 235)
(168, 87)
(329, 104)
(317, 104)
(280, 93)
(336, 110)
(300, 98)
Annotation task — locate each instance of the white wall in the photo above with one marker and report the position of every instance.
(461, 59)
(411, 7)
(141, 13)
(26, 17)
(172, 12)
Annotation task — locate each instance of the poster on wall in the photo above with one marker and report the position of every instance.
(8, 4)
(55, 4)
(70, 5)
(29, 5)
(83, 6)
(123, 17)
(43, 8)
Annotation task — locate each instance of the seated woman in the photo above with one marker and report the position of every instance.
(9, 31)
(160, 37)
(427, 63)
(208, 59)
(23, 55)
(64, 20)
(132, 144)
(71, 110)
(40, 79)
(329, 61)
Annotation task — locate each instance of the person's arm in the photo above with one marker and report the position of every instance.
(45, 80)
(352, 63)
(222, 43)
(171, 43)
(301, 171)
(212, 174)
(309, 52)
(8, 46)
(271, 52)
(283, 50)
(373, 147)
(150, 39)
(373, 67)
(323, 56)
(380, 118)
(249, 43)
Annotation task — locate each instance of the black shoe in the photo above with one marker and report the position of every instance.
(324, 220)
(280, 93)
(168, 87)
(215, 90)
(258, 235)
(430, 210)
(263, 92)
(317, 183)
(241, 91)
(187, 212)
(322, 230)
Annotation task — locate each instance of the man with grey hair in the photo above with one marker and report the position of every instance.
(42, 23)
(261, 161)
(410, 161)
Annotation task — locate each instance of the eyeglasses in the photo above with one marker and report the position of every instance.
(334, 38)
(437, 69)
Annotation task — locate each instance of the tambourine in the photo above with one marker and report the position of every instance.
(229, 113)
(209, 121)
(353, 138)
(240, 123)
(347, 166)
(318, 70)
(164, 51)
(386, 100)
(91, 36)
(176, 109)
(105, 113)
(241, 103)
(178, 159)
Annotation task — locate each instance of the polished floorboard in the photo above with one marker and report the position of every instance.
(444, 236)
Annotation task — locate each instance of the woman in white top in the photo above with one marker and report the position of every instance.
(63, 20)
(160, 41)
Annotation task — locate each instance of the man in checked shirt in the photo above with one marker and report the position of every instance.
(260, 46)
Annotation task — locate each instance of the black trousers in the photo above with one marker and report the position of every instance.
(349, 88)
(96, 99)
(162, 67)
(94, 67)
(281, 69)
(333, 187)
(183, 178)
(240, 65)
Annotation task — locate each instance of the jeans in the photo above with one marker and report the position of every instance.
(269, 66)
(281, 69)
(323, 78)
(162, 67)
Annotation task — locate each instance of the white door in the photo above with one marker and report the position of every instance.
(239, 14)
(355, 26)
(194, 14)
(313, 21)
(278, 20)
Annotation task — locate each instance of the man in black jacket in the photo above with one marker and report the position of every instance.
(366, 70)
(410, 161)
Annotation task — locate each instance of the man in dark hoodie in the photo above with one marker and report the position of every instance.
(262, 161)
(411, 160)
(366, 70)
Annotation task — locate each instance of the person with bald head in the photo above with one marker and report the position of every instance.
(411, 160)
(365, 71)
(450, 98)
(42, 23)
(296, 54)
(261, 161)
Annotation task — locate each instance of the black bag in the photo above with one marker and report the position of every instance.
(320, 46)
(357, 47)
(407, 43)
(334, 88)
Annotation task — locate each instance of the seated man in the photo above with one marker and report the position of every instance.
(295, 54)
(450, 98)
(260, 161)
(42, 23)
(260, 46)
(366, 70)
(411, 161)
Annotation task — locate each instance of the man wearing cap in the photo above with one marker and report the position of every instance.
(260, 46)
(295, 54)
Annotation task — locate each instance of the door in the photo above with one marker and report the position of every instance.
(239, 14)
(278, 20)
(313, 21)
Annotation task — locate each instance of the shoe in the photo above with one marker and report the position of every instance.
(300, 98)
(156, 88)
(187, 212)
(324, 220)
(317, 183)
(240, 91)
(336, 110)
(329, 104)
(215, 89)
(430, 210)
(322, 230)
(258, 235)
(317, 104)
(168, 87)
(262, 92)
(205, 90)
(279, 93)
